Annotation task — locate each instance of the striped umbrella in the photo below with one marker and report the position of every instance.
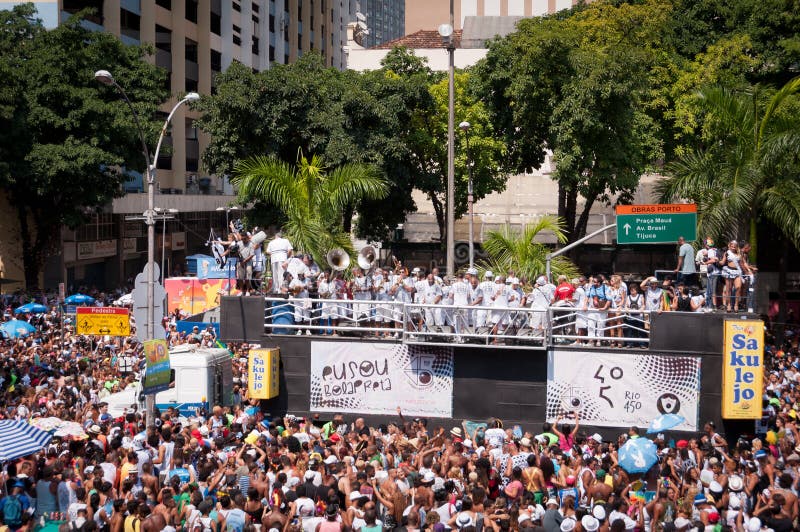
(18, 438)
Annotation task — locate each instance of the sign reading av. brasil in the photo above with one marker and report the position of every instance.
(103, 320)
(656, 224)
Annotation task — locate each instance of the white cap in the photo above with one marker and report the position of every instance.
(682, 522)
(488, 273)
(309, 475)
(754, 524)
(568, 524)
(599, 512)
(596, 437)
(590, 523)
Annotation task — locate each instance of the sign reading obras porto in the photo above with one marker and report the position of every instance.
(742, 369)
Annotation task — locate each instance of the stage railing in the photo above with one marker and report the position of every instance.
(448, 324)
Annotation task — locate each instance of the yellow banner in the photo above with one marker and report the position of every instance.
(742, 369)
(262, 373)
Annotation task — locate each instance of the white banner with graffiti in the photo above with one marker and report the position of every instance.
(376, 378)
(620, 390)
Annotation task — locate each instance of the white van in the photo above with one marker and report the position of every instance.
(202, 378)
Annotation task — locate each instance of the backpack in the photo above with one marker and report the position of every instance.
(12, 512)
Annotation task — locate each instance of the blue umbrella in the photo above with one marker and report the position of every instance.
(79, 299)
(18, 439)
(30, 308)
(16, 328)
(638, 455)
(665, 422)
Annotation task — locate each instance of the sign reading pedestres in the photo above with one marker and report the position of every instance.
(103, 320)
(656, 224)
(743, 369)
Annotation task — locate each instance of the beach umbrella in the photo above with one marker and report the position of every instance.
(665, 422)
(16, 328)
(30, 308)
(18, 439)
(638, 455)
(79, 299)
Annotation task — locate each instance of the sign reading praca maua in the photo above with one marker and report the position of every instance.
(656, 224)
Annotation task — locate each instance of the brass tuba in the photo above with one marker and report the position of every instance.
(338, 259)
(367, 257)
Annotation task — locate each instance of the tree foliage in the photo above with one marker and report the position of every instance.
(519, 251)
(64, 137)
(312, 197)
(749, 168)
(580, 86)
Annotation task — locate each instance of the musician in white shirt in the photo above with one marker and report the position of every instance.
(279, 250)
(383, 310)
(502, 297)
(460, 292)
(328, 289)
(362, 292)
(432, 295)
(487, 288)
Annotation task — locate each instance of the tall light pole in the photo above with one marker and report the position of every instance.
(464, 126)
(164, 215)
(446, 31)
(105, 77)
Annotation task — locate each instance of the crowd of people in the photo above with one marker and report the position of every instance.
(230, 468)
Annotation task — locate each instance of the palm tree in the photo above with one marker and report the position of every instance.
(749, 169)
(312, 198)
(510, 249)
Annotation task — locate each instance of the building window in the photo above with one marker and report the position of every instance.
(191, 11)
(216, 61)
(100, 227)
(285, 59)
(129, 24)
(286, 5)
(190, 50)
(255, 7)
(237, 35)
(216, 24)
(237, 40)
(166, 4)
(237, 7)
(73, 6)
(272, 54)
(191, 85)
(255, 46)
(272, 23)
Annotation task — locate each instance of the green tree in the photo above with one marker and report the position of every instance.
(580, 85)
(311, 197)
(346, 117)
(64, 138)
(515, 250)
(748, 168)
(428, 141)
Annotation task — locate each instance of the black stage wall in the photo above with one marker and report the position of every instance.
(509, 383)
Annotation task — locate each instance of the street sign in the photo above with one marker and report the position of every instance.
(656, 224)
(103, 320)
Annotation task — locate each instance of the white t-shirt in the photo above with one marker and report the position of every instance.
(279, 249)
(460, 292)
(431, 292)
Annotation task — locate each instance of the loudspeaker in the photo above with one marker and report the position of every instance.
(242, 319)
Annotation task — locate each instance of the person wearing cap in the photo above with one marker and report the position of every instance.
(460, 294)
(552, 519)
(538, 299)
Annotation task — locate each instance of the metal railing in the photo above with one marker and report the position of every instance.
(448, 324)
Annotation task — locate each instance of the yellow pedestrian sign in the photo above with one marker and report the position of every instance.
(103, 320)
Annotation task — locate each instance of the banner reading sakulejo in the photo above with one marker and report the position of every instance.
(743, 369)
(623, 389)
(374, 378)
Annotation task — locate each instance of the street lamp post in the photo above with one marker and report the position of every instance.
(464, 126)
(105, 77)
(446, 31)
(164, 215)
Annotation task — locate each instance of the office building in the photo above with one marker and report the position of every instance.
(428, 14)
(385, 20)
(194, 40)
